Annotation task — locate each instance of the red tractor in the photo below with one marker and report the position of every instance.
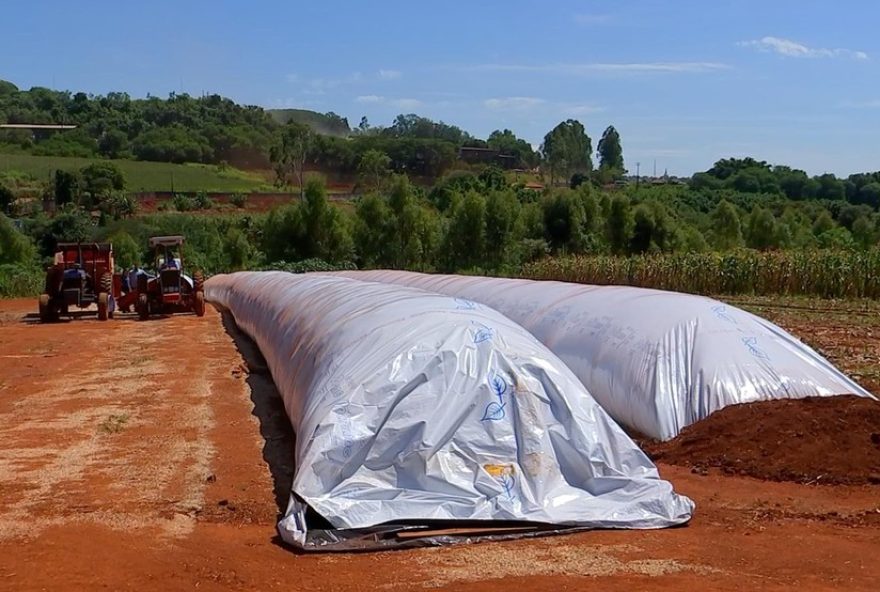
(81, 276)
(170, 290)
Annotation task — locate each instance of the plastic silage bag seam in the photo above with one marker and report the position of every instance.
(411, 407)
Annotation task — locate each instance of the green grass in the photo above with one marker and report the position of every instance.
(144, 176)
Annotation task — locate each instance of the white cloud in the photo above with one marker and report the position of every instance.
(321, 85)
(513, 103)
(592, 19)
(390, 74)
(793, 49)
(873, 104)
(593, 68)
(398, 103)
(406, 103)
(581, 109)
(534, 104)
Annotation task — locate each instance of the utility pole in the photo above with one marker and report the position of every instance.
(638, 170)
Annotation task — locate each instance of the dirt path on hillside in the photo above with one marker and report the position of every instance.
(156, 456)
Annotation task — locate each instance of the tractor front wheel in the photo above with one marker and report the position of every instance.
(103, 304)
(45, 311)
(143, 307)
(107, 282)
(198, 281)
(199, 303)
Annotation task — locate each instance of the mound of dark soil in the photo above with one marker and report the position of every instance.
(834, 440)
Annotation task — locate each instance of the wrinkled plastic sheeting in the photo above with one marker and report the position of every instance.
(656, 361)
(413, 408)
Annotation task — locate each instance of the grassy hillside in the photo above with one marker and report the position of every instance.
(328, 124)
(144, 176)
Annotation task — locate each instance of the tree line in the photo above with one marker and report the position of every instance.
(466, 222)
(215, 130)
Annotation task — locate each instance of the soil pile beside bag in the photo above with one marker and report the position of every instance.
(826, 440)
(656, 361)
(415, 410)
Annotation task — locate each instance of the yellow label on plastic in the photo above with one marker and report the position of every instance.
(499, 470)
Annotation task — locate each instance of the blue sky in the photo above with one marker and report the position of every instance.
(685, 82)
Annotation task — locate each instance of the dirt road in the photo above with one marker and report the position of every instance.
(156, 455)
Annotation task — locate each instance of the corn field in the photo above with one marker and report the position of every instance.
(827, 274)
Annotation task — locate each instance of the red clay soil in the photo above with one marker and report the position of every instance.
(153, 456)
(822, 440)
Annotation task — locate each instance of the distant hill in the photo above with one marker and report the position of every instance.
(328, 124)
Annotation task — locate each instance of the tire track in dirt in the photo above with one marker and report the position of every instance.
(112, 428)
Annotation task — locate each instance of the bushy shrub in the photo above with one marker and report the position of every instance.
(308, 265)
(17, 280)
(239, 200)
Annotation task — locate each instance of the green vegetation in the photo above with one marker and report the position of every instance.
(828, 274)
(742, 226)
(215, 130)
(679, 237)
(141, 176)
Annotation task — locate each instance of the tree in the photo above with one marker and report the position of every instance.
(870, 194)
(67, 186)
(849, 213)
(567, 149)
(70, 224)
(611, 152)
(728, 167)
(7, 88)
(238, 251)
(455, 183)
(414, 228)
(864, 232)
(15, 247)
(823, 223)
(310, 229)
(7, 198)
(466, 234)
(653, 229)
(126, 250)
(830, 187)
(619, 224)
(836, 238)
(325, 230)
(705, 181)
(100, 180)
(726, 227)
(174, 143)
(762, 230)
(565, 221)
(792, 182)
(502, 215)
(113, 143)
(290, 152)
(506, 142)
(374, 167)
(374, 230)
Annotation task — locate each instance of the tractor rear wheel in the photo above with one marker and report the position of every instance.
(103, 304)
(199, 303)
(143, 307)
(45, 312)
